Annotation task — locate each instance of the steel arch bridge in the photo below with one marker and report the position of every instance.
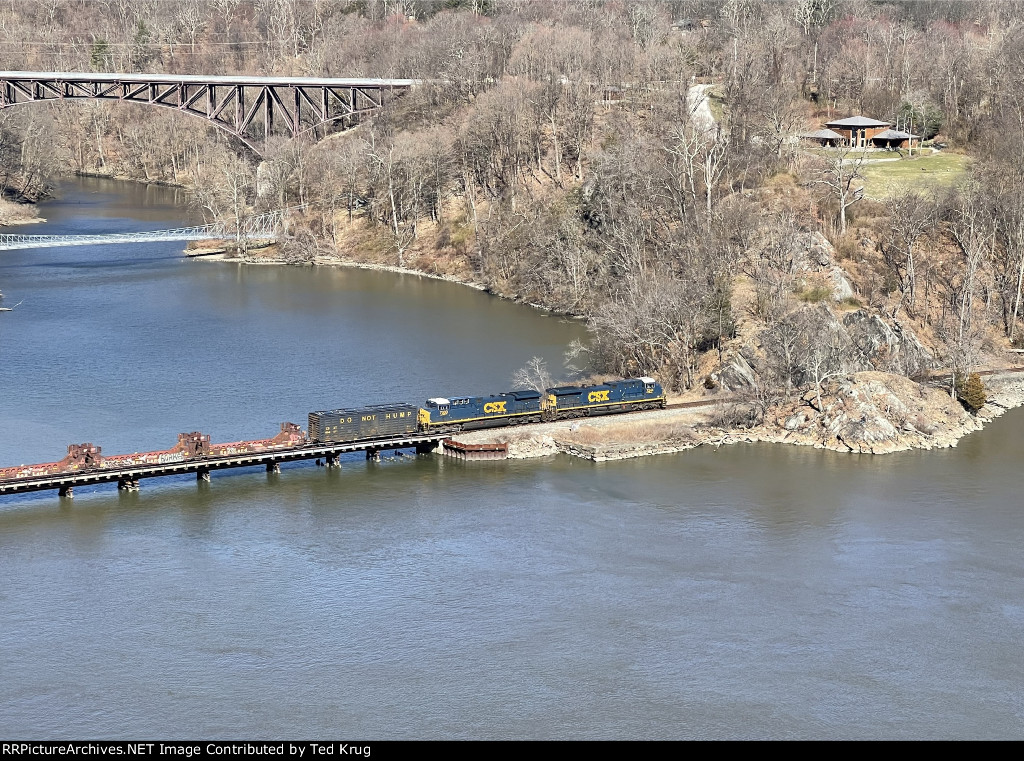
(242, 106)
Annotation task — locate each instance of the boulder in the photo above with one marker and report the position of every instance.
(877, 345)
(736, 374)
(811, 252)
(795, 421)
(842, 289)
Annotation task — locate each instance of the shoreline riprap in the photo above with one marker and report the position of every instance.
(670, 431)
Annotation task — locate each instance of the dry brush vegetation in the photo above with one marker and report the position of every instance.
(556, 154)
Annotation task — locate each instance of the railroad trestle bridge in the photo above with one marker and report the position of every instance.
(128, 477)
(248, 108)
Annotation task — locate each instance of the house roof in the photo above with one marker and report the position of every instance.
(857, 121)
(823, 134)
(894, 134)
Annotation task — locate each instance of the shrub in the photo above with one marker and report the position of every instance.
(815, 294)
(847, 249)
(971, 392)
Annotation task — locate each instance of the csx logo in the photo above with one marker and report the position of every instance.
(597, 396)
(491, 407)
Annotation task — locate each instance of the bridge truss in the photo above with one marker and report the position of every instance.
(245, 107)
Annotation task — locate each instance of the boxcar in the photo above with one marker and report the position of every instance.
(362, 423)
(605, 398)
(469, 412)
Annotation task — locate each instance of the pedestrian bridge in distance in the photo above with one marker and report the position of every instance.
(263, 227)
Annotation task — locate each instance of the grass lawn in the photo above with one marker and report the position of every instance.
(921, 173)
(830, 153)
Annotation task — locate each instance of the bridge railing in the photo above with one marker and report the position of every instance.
(261, 227)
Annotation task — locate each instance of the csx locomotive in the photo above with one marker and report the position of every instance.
(438, 415)
(463, 413)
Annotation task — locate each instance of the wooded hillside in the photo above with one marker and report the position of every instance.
(559, 153)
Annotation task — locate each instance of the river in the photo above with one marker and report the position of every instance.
(756, 591)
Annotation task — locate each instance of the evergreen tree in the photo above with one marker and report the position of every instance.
(971, 392)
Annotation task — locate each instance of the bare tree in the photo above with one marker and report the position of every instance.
(533, 375)
(970, 227)
(768, 261)
(911, 216)
(806, 348)
(652, 325)
(192, 17)
(781, 118)
(225, 189)
(810, 14)
(840, 175)
(823, 355)
(1010, 231)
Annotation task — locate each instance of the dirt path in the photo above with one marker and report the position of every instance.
(700, 109)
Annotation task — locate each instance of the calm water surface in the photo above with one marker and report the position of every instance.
(748, 592)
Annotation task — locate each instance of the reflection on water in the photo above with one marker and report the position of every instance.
(748, 591)
(127, 345)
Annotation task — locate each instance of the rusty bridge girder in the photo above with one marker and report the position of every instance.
(249, 108)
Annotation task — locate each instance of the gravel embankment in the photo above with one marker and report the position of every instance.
(870, 413)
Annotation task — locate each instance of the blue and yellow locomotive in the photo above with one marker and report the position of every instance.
(605, 398)
(559, 403)
(466, 413)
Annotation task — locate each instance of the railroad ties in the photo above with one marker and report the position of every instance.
(128, 476)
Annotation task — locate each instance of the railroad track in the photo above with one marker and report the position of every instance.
(702, 403)
(129, 476)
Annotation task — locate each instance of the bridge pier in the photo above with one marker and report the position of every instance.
(67, 491)
(332, 461)
(426, 448)
(203, 475)
(128, 484)
(373, 455)
(273, 467)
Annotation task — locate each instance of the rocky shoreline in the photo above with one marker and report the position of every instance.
(869, 412)
(927, 419)
(224, 255)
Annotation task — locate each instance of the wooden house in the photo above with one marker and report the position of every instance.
(863, 132)
(857, 131)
